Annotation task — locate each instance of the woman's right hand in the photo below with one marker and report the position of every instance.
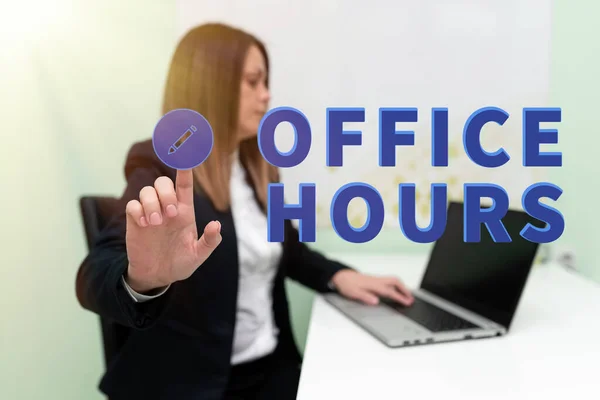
(162, 239)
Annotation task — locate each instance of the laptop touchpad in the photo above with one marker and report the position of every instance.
(393, 327)
(365, 311)
(359, 309)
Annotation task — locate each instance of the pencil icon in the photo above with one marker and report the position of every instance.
(182, 139)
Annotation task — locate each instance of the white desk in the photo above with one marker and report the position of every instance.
(553, 348)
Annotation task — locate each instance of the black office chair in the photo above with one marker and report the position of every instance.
(96, 212)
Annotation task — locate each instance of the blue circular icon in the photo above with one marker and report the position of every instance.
(183, 139)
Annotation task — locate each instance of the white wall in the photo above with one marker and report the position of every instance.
(458, 54)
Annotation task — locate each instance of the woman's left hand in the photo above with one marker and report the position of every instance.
(369, 289)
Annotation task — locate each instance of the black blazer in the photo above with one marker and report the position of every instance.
(180, 343)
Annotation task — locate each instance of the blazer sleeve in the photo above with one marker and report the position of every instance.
(99, 286)
(308, 266)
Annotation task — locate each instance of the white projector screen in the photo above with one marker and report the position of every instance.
(462, 55)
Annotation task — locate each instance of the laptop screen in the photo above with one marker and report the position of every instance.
(486, 277)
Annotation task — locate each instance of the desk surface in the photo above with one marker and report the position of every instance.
(553, 347)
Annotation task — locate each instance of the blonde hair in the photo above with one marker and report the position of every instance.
(205, 75)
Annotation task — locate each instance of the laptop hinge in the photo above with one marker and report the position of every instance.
(458, 310)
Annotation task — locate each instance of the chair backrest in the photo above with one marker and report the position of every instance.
(96, 211)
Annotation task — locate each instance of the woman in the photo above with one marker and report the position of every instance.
(208, 317)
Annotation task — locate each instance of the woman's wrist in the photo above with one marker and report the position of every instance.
(139, 286)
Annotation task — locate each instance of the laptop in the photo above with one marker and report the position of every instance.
(468, 291)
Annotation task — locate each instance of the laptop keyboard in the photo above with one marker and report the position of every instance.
(431, 317)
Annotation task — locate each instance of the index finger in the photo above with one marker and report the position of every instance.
(184, 186)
